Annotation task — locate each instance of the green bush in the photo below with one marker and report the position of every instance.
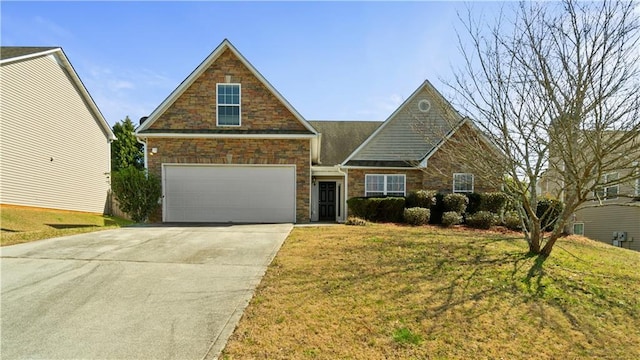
(421, 198)
(451, 218)
(137, 192)
(455, 202)
(512, 221)
(416, 216)
(494, 202)
(548, 211)
(482, 220)
(389, 209)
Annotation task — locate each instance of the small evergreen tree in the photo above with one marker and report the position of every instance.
(137, 192)
(126, 150)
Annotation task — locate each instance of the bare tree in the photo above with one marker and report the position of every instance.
(556, 87)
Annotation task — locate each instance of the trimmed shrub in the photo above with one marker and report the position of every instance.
(389, 209)
(475, 202)
(455, 202)
(137, 192)
(494, 202)
(512, 221)
(421, 198)
(451, 218)
(416, 216)
(482, 220)
(355, 221)
(548, 211)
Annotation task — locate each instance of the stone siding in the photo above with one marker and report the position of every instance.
(195, 109)
(240, 152)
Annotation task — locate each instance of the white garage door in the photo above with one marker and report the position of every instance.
(254, 194)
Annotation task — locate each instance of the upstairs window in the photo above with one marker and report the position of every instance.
(228, 111)
(462, 183)
(608, 191)
(384, 185)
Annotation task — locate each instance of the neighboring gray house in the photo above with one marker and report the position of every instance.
(54, 142)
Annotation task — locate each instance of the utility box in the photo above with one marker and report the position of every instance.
(619, 236)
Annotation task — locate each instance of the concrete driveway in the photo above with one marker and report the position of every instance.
(132, 293)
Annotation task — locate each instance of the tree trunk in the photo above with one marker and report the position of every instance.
(535, 237)
(546, 250)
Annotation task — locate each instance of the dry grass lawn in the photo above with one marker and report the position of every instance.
(396, 292)
(20, 224)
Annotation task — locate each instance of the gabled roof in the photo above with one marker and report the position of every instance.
(10, 54)
(340, 138)
(408, 137)
(226, 44)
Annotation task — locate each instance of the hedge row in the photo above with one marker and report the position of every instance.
(425, 206)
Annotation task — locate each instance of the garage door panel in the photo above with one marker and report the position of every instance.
(229, 194)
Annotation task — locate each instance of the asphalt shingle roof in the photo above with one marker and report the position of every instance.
(8, 52)
(341, 138)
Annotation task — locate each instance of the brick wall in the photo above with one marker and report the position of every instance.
(243, 151)
(196, 107)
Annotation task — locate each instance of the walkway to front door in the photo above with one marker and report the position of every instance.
(327, 203)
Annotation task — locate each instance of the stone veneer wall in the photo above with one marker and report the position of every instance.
(243, 152)
(195, 109)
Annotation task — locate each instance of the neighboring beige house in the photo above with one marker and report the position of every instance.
(54, 142)
(230, 148)
(613, 214)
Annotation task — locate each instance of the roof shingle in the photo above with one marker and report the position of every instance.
(8, 52)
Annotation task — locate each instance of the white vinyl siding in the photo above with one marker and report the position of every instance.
(228, 105)
(55, 153)
(462, 183)
(384, 185)
(220, 193)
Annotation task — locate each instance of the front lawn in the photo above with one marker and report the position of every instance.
(23, 224)
(396, 292)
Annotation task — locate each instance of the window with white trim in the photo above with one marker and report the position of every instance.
(578, 228)
(608, 191)
(228, 109)
(384, 185)
(462, 183)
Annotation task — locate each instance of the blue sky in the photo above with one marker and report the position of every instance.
(330, 60)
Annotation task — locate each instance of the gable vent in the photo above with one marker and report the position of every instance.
(424, 105)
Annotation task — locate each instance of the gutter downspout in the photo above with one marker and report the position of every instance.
(144, 143)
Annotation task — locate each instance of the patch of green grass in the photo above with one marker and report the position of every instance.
(405, 336)
(22, 224)
(386, 291)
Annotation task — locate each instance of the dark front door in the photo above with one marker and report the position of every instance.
(327, 203)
